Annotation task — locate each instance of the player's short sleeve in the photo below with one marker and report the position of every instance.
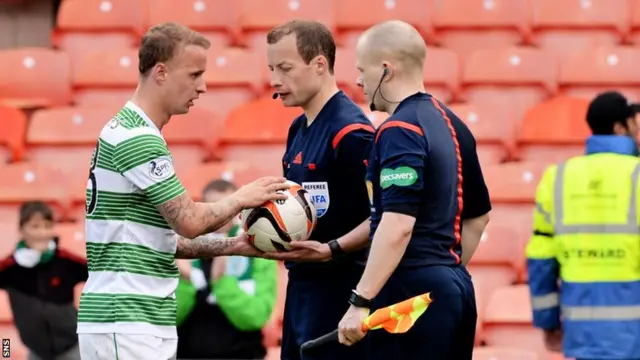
(402, 152)
(146, 162)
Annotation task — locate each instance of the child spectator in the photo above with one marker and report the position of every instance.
(224, 303)
(39, 278)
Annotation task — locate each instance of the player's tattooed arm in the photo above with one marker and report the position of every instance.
(191, 219)
(209, 245)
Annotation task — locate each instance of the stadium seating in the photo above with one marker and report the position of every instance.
(482, 25)
(519, 73)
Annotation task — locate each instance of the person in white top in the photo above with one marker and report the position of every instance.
(139, 217)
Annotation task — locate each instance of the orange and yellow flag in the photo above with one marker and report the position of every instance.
(398, 318)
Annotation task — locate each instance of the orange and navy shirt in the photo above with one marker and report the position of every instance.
(424, 164)
(328, 159)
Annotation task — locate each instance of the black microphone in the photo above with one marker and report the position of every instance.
(275, 96)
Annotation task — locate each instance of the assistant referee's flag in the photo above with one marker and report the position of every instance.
(396, 319)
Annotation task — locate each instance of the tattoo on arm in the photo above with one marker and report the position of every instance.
(192, 219)
(205, 246)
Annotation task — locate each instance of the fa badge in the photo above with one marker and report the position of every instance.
(319, 192)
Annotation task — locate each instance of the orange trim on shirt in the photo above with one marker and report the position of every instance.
(347, 129)
(456, 226)
(401, 124)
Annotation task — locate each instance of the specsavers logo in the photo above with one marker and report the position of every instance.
(402, 176)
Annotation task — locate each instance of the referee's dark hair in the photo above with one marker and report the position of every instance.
(607, 109)
(312, 39)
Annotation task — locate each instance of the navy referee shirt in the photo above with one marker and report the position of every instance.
(424, 164)
(328, 159)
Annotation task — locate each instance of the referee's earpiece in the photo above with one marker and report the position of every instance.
(385, 72)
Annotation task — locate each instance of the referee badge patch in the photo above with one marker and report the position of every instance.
(401, 176)
(319, 192)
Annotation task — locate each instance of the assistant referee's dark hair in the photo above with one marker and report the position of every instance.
(312, 39)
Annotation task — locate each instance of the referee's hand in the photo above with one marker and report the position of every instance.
(350, 327)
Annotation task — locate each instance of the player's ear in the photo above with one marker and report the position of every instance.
(159, 72)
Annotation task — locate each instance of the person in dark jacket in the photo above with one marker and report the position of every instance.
(39, 278)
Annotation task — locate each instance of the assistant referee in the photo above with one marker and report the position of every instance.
(421, 169)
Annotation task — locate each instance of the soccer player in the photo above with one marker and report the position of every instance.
(139, 216)
(327, 147)
(423, 160)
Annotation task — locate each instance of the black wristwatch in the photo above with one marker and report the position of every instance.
(336, 250)
(359, 301)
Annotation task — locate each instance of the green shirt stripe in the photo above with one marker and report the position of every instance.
(139, 150)
(131, 258)
(109, 308)
(134, 207)
(165, 190)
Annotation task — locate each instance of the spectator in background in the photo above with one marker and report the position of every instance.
(223, 303)
(585, 237)
(40, 278)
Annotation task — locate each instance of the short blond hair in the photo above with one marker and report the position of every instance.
(161, 42)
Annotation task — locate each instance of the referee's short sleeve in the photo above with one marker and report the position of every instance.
(402, 151)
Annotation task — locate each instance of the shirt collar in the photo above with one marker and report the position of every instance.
(131, 106)
(412, 98)
(623, 145)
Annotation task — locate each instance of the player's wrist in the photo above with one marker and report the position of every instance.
(336, 250)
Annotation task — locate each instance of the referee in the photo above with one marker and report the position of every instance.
(427, 186)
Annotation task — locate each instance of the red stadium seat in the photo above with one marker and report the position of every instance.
(38, 77)
(71, 238)
(634, 36)
(14, 124)
(18, 349)
(355, 16)
(347, 74)
(482, 25)
(441, 73)
(513, 77)
(554, 130)
(193, 137)
(503, 353)
(215, 19)
(491, 127)
(257, 131)
(6, 317)
(104, 77)
(515, 182)
(196, 178)
(234, 76)
(89, 25)
(603, 68)
(65, 137)
(567, 26)
(508, 320)
(33, 181)
(257, 17)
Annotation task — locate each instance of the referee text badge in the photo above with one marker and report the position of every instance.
(319, 192)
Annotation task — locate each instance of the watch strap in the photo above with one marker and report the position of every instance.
(336, 249)
(358, 301)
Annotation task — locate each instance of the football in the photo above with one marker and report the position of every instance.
(272, 226)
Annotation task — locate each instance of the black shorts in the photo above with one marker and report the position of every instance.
(446, 331)
(314, 308)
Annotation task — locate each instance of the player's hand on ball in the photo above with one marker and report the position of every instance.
(260, 191)
(350, 327)
(303, 251)
(243, 247)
